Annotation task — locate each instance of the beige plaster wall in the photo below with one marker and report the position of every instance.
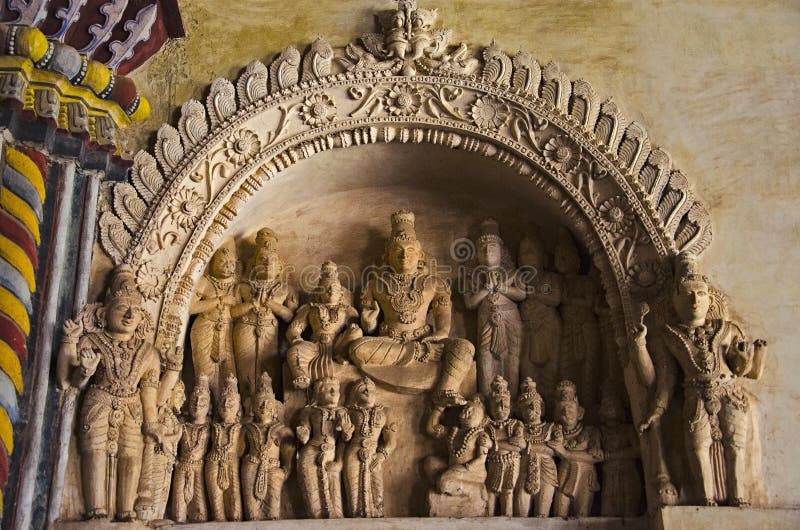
(714, 82)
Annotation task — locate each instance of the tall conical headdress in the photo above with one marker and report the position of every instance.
(266, 238)
(490, 231)
(528, 392)
(201, 386)
(231, 388)
(687, 269)
(566, 391)
(264, 387)
(328, 274)
(499, 388)
(123, 286)
(403, 226)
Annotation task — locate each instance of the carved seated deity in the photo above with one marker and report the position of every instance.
(405, 292)
(334, 325)
(270, 452)
(461, 477)
(372, 443)
(222, 460)
(188, 484)
(322, 430)
(622, 483)
(538, 473)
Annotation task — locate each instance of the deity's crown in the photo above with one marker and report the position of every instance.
(490, 231)
(227, 249)
(328, 274)
(567, 391)
(264, 388)
(528, 392)
(231, 388)
(403, 226)
(123, 286)
(499, 387)
(687, 269)
(201, 386)
(266, 238)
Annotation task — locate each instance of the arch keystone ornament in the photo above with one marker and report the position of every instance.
(410, 82)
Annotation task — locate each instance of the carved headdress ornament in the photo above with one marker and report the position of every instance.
(328, 274)
(687, 269)
(490, 232)
(231, 388)
(201, 387)
(529, 393)
(566, 391)
(227, 249)
(403, 226)
(267, 239)
(500, 388)
(264, 388)
(123, 286)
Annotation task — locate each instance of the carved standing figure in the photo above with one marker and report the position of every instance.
(222, 460)
(499, 322)
(270, 452)
(622, 483)
(216, 303)
(322, 429)
(579, 450)
(538, 473)
(268, 298)
(405, 294)
(120, 405)
(188, 485)
(372, 443)
(541, 320)
(334, 325)
(713, 354)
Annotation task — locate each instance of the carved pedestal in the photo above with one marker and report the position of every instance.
(441, 505)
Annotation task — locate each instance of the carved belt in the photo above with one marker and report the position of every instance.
(111, 393)
(189, 462)
(504, 458)
(407, 335)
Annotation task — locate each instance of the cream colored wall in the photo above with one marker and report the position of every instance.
(715, 83)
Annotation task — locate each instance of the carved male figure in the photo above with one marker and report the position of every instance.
(622, 484)
(222, 460)
(120, 405)
(188, 486)
(334, 325)
(270, 452)
(322, 429)
(579, 450)
(405, 294)
(508, 439)
(538, 474)
(499, 322)
(713, 355)
(372, 443)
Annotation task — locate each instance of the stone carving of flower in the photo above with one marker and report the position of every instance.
(151, 280)
(490, 112)
(242, 146)
(616, 215)
(318, 110)
(647, 278)
(403, 100)
(562, 153)
(186, 209)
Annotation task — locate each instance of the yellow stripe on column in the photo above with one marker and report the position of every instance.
(27, 167)
(19, 260)
(6, 431)
(9, 363)
(20, 209)
(11, 306)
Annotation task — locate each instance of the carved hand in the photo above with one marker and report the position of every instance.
(73, 329)
(370, 314)
(377, 460)
(651, 418)
(174, 357)
(89, 360)
(303, 434)
(557, 447)
(153, 431)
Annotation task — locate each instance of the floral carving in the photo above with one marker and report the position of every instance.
(562, 153)
(647, 278)
(318, 109)
(151, 280)
(187, 208)
(403, 100)
(242, 146)
(490, 112)
(616, 215)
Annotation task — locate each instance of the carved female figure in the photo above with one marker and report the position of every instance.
(538, 475)
(322, 429)
(268, 298)
(270, 452)
(499, 322)
(622, 484)
(216, 303)
(372, 443)
(222, 460)
(188, 486)
(334, 325)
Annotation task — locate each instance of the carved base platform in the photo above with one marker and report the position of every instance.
(457, 506)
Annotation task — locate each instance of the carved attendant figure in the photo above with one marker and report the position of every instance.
(622, 484)
(322, 429)
(499, 322)
(372, 443)
(405, 294)
(120, 404)
(188, 486)
(579, 451)
(222, 460)
(507, 441)
(334, 325)
(713, 354)
(270, 452)
(538, 475)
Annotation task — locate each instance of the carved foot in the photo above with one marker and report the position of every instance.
(301, 382)
(127, 517)
(96, 514)
(448, 398)
(667, 492)
(710, 502)
(740, 502)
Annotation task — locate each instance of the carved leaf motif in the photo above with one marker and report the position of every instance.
(192, 123)
(114, 237)
(556, 87)
(169, 150)
(497, 66)
(634, 148)
(221, 102)
(284, 71)
(610, 125)
(317, 62)
(145, 176)
(527, 73)
(128, 206)
(374, 44)
(585, 104)
(252, 84)
(654, 175)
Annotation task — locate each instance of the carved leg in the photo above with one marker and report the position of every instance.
(335, 486)
(271, 507)
(583, 502)
(352, 483)
(215, 493)
(298, 357)
(667, 492)
(733, 423)
(698, 441)
(233, 495)
(432, 467)
(198, 510)
(179, 507)
(307, 476)
(522, 501)
(94, 471)
(507, 503)
(561, 504)
(128, 468)
(544, 499)
(492, 502)
(377, 491)
(251, 503)
(455, 365)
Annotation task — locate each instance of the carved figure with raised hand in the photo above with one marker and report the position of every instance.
(216, 303)
(322, 429)
(222, 460)
(714, 355)
(270, 452)
(460, 479)
(622, 483)
(334, 325)
(495, 295)
(188, 485)
(372, 443)
(541, 320)
(578, 447)
(268, 298)
(120, 406)
(508, 440)
(405, 293)
(538, 473)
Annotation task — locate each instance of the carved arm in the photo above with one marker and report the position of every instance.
(298, 325)
(433, 425)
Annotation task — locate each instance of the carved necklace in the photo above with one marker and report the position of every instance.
(224, 448)
(329, 315)
(537, 432)
(706, 361)
(468, 436)
(194, 435)
(405, 295)
(370, 419)
(495, 425)
(122, 363)
(574, 437)
(220, 284)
